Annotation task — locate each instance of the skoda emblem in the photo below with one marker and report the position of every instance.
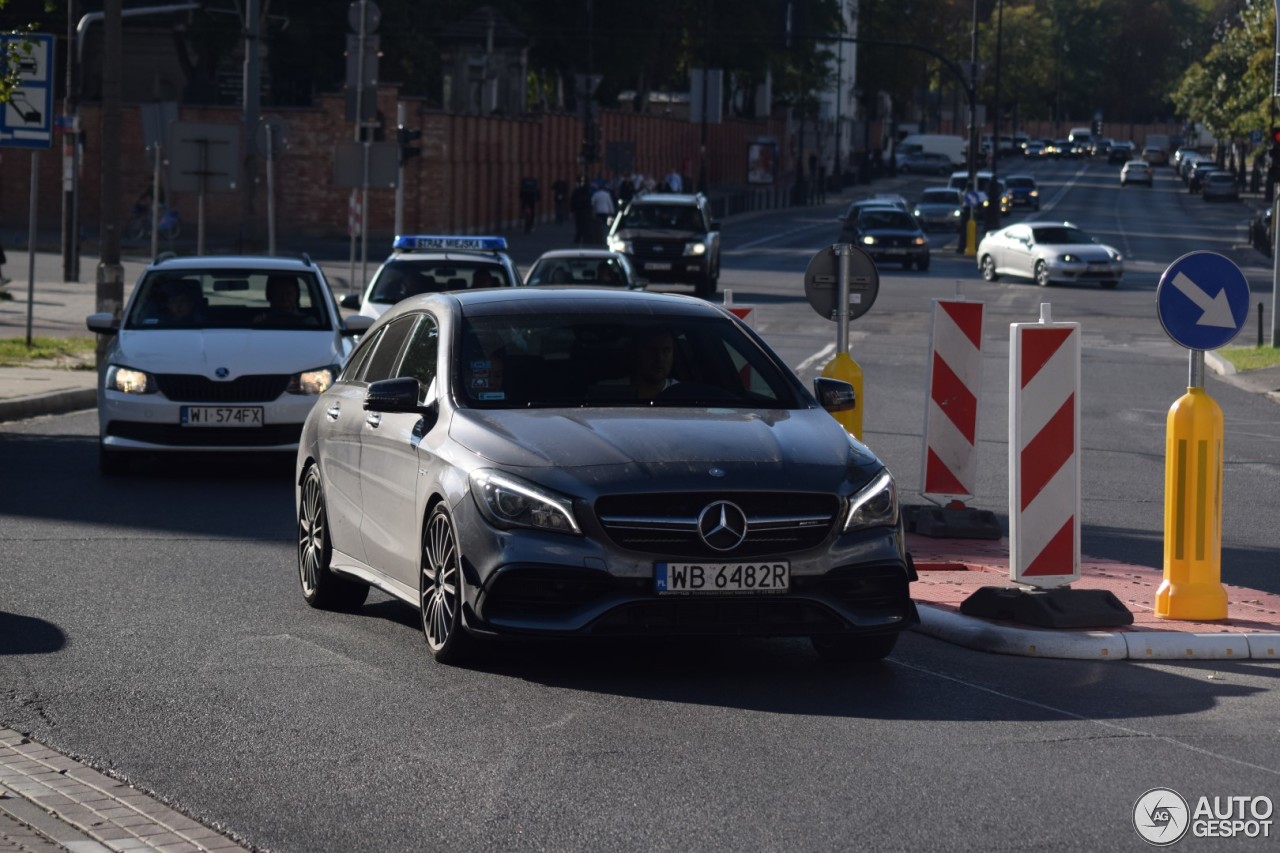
(657, 249)
(722, 525)
(222, 373)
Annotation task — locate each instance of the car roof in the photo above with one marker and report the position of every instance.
(668, 198)
(553, 300)
(595, 254)
(265, 262)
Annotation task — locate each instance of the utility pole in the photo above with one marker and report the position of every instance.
(993, 212)
(70, 160)
(109, 293)
(971, 224)
(252, 109)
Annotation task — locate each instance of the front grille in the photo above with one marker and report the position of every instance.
(658, 249)
(667, 524)
(174, 435)
(892, 242)
(763, 616)
(189, 388)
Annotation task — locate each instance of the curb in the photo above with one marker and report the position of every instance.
(56, 402)
(1093, 645)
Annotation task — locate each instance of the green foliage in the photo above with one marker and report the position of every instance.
(1229, 88)
(73, 353)
(14, 53)
(1251, 358)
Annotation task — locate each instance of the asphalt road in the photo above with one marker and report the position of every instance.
(154, 628)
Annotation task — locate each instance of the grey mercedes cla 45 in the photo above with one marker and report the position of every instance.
(583, 462)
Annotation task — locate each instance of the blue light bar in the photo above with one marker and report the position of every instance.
(437, 242)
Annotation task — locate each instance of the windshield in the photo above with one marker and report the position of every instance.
(671, 216)
(1059, 235)
(886, 219)
(940, 197)
(243, 298)
(524, 361)
(611, 271)
(401, 278)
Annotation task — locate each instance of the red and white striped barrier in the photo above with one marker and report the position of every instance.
(1044, 452)
(951, 412)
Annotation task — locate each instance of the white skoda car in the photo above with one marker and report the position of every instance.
(218, 354)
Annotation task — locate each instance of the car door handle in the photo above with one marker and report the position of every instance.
(373, 419)
(333, 411)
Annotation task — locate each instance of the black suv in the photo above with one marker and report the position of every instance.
(670, 237)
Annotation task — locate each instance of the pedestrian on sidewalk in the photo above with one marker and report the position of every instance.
(3, 278)
(602, 206)
(580, 204)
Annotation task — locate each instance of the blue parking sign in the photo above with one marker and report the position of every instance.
(1203, 300)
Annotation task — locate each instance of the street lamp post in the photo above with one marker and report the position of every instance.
(993, 211)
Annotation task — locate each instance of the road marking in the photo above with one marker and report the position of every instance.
(821, 355)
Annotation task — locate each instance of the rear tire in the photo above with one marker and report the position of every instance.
(989, 268)
(846, 648)
(321, 587)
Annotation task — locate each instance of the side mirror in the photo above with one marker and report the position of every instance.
(356, 325)
(351, 300)
(102, 323)
(393, 395)
(834, 395)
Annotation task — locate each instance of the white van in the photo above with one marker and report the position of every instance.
(953, 147)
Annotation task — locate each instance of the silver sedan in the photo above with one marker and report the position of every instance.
(581, 461)
(1048, 252)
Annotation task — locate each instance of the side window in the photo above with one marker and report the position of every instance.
(355, 364)
(383, 361)
(420, 354)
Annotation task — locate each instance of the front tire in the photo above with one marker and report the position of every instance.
(845, 648)
(1042, 274)
(440, 591)
(922, 264)
(989, 268)
(321, 587)
(705, 287)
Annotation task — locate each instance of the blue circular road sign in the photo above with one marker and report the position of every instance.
(1203, 300)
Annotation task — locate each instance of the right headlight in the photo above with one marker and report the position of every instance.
(875, 505)
(126, 380)
(617, 244)
(508, 501)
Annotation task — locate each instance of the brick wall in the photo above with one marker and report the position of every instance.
(465, 181)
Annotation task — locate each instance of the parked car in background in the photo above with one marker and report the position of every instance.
(217, 353)
(1195, 178)
(1023, 191)
(1220, 186)
(1155, 155)
(926, 163)
(431, 263)
(1137, 172)
(888, 234)
(1048, 252)
(1121, 152)
(580, 462)
(592, 267)
(939, 208)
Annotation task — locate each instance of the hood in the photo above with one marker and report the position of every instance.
(240, 351)
(806, 443)
(658, 234)
(1088, 251)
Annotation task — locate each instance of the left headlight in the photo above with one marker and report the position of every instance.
(126, 380)
(875, 505)
(508, 501)
(698, 248)
(920, 241)
(1069, 258)
(617, 244)
(312, 382)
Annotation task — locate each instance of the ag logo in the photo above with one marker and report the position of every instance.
(1161, 816)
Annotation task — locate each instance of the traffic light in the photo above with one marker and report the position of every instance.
(405, 136)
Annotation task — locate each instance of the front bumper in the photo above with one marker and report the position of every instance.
(153, 423)
(1065, 272)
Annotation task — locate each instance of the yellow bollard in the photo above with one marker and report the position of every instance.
(1192, 587)
(844, 368)
(971, 237)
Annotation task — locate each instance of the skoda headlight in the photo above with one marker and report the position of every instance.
(311, 382)
(509, 501)
(126, 380)
(617, 244)
(876, 505)
(698, 248)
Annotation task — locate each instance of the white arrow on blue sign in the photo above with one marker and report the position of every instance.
(1203, 300)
